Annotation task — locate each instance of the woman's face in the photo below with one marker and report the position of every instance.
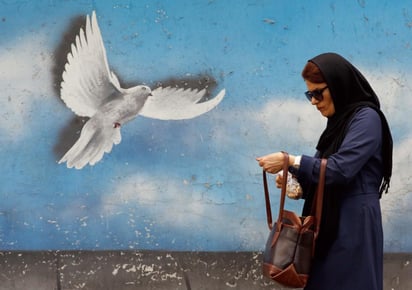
(325, 106)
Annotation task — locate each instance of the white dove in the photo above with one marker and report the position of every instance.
(91, 90)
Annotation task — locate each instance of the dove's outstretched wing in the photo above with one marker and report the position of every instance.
(177, 104)
(87, 79)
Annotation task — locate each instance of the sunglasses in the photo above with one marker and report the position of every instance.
(317, 94)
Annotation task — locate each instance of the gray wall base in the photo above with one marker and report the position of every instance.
(124, 270)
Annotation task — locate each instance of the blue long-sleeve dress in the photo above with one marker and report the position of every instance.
(355, 258)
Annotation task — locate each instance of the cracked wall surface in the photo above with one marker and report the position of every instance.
(156, 270)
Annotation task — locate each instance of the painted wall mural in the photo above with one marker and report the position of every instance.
(91, 90)
(213, 84)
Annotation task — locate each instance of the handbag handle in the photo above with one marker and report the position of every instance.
(316, 206)
(282, 195)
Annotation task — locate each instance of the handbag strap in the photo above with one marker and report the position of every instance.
(317, 212)
(283, 192)
(267, 201)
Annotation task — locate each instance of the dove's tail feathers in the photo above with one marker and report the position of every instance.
(90, 147)
(105, 145)
(74, 152)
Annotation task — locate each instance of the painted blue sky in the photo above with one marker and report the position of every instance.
(192, 184)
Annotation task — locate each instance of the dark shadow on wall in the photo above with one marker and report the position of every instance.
(70, 133)
(63, 48)
(201, 81)
(68, 136)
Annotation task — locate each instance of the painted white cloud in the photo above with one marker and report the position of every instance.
(394, 92)
(24, 78)
(158, 197)
(292, 120)
(181, 205)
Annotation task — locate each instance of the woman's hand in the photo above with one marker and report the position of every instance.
(279, 180)
(273, 163)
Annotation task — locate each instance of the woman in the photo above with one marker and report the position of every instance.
(358, 145)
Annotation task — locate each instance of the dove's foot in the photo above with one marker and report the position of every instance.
(116, 125)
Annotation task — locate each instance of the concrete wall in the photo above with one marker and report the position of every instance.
(191, 184)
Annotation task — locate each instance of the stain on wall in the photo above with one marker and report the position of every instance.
(184, 184)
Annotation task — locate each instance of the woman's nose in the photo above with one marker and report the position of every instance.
(313, 101)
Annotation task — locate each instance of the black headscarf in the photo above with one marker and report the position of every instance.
(350, 92)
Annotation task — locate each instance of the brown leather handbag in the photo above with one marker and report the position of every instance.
(290, 247)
